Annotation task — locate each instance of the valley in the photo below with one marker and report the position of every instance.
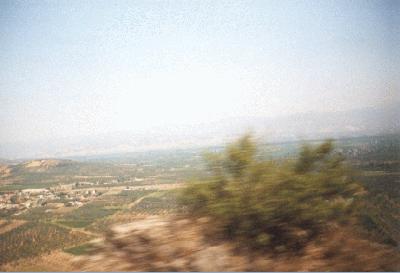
(63, 207)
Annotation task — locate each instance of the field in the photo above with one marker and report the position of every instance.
(80, 249)
(378, 163)
(95, 212)
(32, 239)
(7, 225)
(158, 203)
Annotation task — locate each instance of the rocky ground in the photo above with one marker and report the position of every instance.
(171, 244)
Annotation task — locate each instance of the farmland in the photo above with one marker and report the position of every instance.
(32, 239)
(158, 203)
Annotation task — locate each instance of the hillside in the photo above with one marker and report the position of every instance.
(43, 173)
(168, 244)
(5, 171)
(43, 164)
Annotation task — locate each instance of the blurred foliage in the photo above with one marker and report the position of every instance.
(280, 204)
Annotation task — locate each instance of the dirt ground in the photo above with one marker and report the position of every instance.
(13, 224)
(55, 261)
(168, 243)
(165, 243)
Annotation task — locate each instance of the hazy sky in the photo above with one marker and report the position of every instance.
(70, 68)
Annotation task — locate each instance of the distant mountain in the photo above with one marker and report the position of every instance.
(367, 121)
(360, 122)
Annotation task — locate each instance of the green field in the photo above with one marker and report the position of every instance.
(164, 202)
(87, 214)
(80, 249)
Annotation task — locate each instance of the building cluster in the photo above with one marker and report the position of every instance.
(21, 200)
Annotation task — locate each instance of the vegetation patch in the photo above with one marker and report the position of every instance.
(35, 238)
(87, 214)
(83, 249)
(282, 205)
(162, 202)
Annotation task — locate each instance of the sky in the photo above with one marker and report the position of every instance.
(81, 68)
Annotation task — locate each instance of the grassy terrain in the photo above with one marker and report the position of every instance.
(87, 214)
(33, 238)
(80, 249)
(158, 203)
(94, 214)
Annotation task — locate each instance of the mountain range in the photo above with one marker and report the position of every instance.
(311, 125)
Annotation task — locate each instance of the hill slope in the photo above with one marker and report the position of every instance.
(168, 244)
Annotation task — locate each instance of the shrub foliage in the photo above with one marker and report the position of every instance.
(262, 203)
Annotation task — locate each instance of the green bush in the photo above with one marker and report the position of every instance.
(273, 204)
